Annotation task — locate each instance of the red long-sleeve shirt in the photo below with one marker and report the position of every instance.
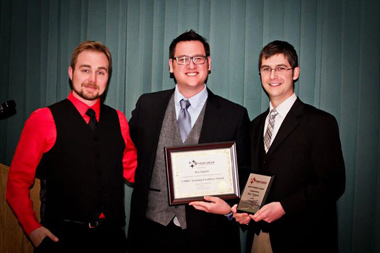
(38, 137)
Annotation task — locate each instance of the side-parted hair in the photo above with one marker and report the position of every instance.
(94, 46)
(279, 47)
(188, 36)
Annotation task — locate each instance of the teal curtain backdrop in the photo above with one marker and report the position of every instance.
(337, 41)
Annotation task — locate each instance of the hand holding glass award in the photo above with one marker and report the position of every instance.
(255, 192)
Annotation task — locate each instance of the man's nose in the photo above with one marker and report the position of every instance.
(273, 73)
(92, 77)
(191, 64)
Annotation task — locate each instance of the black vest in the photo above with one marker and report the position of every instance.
(83, 170)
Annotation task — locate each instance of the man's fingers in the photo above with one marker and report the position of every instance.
(211, 199)
(234, 208)
(51, 236)
(39, 234)
(200, 205)
(258, 216)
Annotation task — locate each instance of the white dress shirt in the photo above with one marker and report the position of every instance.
(196, 103)
(282, 110)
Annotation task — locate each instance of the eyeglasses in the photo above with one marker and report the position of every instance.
(278, 69)
(184, 60)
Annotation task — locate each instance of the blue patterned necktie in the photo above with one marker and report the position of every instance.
(184, 120)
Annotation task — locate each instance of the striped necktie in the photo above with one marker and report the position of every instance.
(268, 134)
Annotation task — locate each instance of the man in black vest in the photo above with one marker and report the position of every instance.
(81, 150)
(155, 226)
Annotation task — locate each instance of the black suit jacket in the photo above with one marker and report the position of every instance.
(307, 162)
(223, 121)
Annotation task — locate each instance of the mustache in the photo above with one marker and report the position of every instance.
(90, 85)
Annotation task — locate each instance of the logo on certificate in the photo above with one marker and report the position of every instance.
(193, 163)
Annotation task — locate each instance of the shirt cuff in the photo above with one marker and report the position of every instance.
(230, 215)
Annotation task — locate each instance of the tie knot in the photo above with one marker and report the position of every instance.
(273, 113)
(91, 113)
(93, 122)
(184, 104)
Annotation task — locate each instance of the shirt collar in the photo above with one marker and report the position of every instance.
(285, 106)
(82, 107)
(195, 101)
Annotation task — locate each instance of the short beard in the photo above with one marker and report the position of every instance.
(90, 96)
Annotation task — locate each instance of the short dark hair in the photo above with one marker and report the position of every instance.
(188, 36)
(279, 47)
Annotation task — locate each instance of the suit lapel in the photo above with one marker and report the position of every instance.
(257, 132)
(290, 122)
(211, 119)
(159, 107)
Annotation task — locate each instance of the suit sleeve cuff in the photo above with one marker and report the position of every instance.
(229, 216)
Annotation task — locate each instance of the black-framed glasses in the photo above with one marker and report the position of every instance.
(184, 60)
(278, 69)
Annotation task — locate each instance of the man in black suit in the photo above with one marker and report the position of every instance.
(300, 146)
(155, 226)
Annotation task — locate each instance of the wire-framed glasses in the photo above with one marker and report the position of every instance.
(279, 69)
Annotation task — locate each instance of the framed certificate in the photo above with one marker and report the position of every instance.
(202, 170)
(255, 192)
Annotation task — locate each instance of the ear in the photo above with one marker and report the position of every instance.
(171, 70)
(70, 71)
(296, 73)
(209, 63)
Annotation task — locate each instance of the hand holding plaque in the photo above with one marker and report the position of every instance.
(202, 170)
(255, 192)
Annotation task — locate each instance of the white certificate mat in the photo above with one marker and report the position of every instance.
(202, 170)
